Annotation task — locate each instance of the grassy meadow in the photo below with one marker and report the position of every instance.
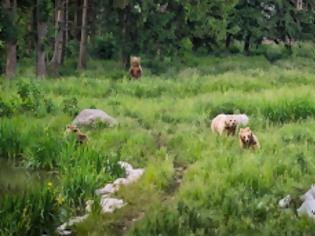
(164, 124)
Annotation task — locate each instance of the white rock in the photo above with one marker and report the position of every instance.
(88, 206)
(241, 119)
(108, 189)
(310, 194)
(90, 116)
(64, 228)
(120, 181)
(284, 202)
(125, 165)
(109, 205)
(134, 175)
(307, 208)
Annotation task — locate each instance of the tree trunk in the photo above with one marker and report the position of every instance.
(247, 44)
(125, 51)
(82, 54)
(42, 29)
(299, 5)
(10, 45)
(77, 20)
(56, 60)
(228, 41)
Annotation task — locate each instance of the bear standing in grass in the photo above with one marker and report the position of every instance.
(224, 124)
(248, 139)
(135, 70)
(81, 137)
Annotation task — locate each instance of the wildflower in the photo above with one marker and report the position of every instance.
(60, 199)
(50, 185)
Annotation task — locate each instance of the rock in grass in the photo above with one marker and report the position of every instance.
(285, 202)
(125, 165)
(309, 195)
(307, 208)
(64, 228)
(90, 116)
(241, 119)
(134, 175)
(109, 205)
(108, 189)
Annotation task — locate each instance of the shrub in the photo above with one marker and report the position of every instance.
(30, 94)
(70, 106)
(274, 53)
(104, 46)
(6, 108)
(49, 105)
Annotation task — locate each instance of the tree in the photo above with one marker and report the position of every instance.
(9, 8)
(56, 60)
(207, 21)
(82, 54)
(42, 15)
(247, 23)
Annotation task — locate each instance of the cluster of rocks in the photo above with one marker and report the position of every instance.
(108, 203)
(308, 203)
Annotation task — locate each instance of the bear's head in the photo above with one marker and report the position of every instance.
(135, 61)
(71, 128)
(230, 122)
(246, 135)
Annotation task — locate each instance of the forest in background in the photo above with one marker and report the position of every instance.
(66, 33)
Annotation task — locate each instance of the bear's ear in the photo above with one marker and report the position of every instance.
(241, 130)
(247, 129)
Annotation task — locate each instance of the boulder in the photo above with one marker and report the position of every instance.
(133, 175)
(307, 208)
(108, 189)
(309, 195)
(64, 228)
(90, 116)
(109, 205)
(285, 202)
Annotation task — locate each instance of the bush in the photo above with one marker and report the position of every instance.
(70, 106)
(49, 105)
(274, 53)
(304, 49)
(6, 108)
(30, 94)
(104, 46)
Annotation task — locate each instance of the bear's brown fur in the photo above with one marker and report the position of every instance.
(224, 124)
(248, 139)
(81, 137)
(135, 70)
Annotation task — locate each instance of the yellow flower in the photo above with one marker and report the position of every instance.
(60, 200)
(50, 184)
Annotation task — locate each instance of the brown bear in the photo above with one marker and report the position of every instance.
(135, 70)
(224, 124)
(248, 139)
(81, 137)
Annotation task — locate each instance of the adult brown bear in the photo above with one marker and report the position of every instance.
(135, 70)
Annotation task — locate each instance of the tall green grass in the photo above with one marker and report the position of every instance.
(164, 122)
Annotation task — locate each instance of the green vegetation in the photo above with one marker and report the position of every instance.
(164, 124)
